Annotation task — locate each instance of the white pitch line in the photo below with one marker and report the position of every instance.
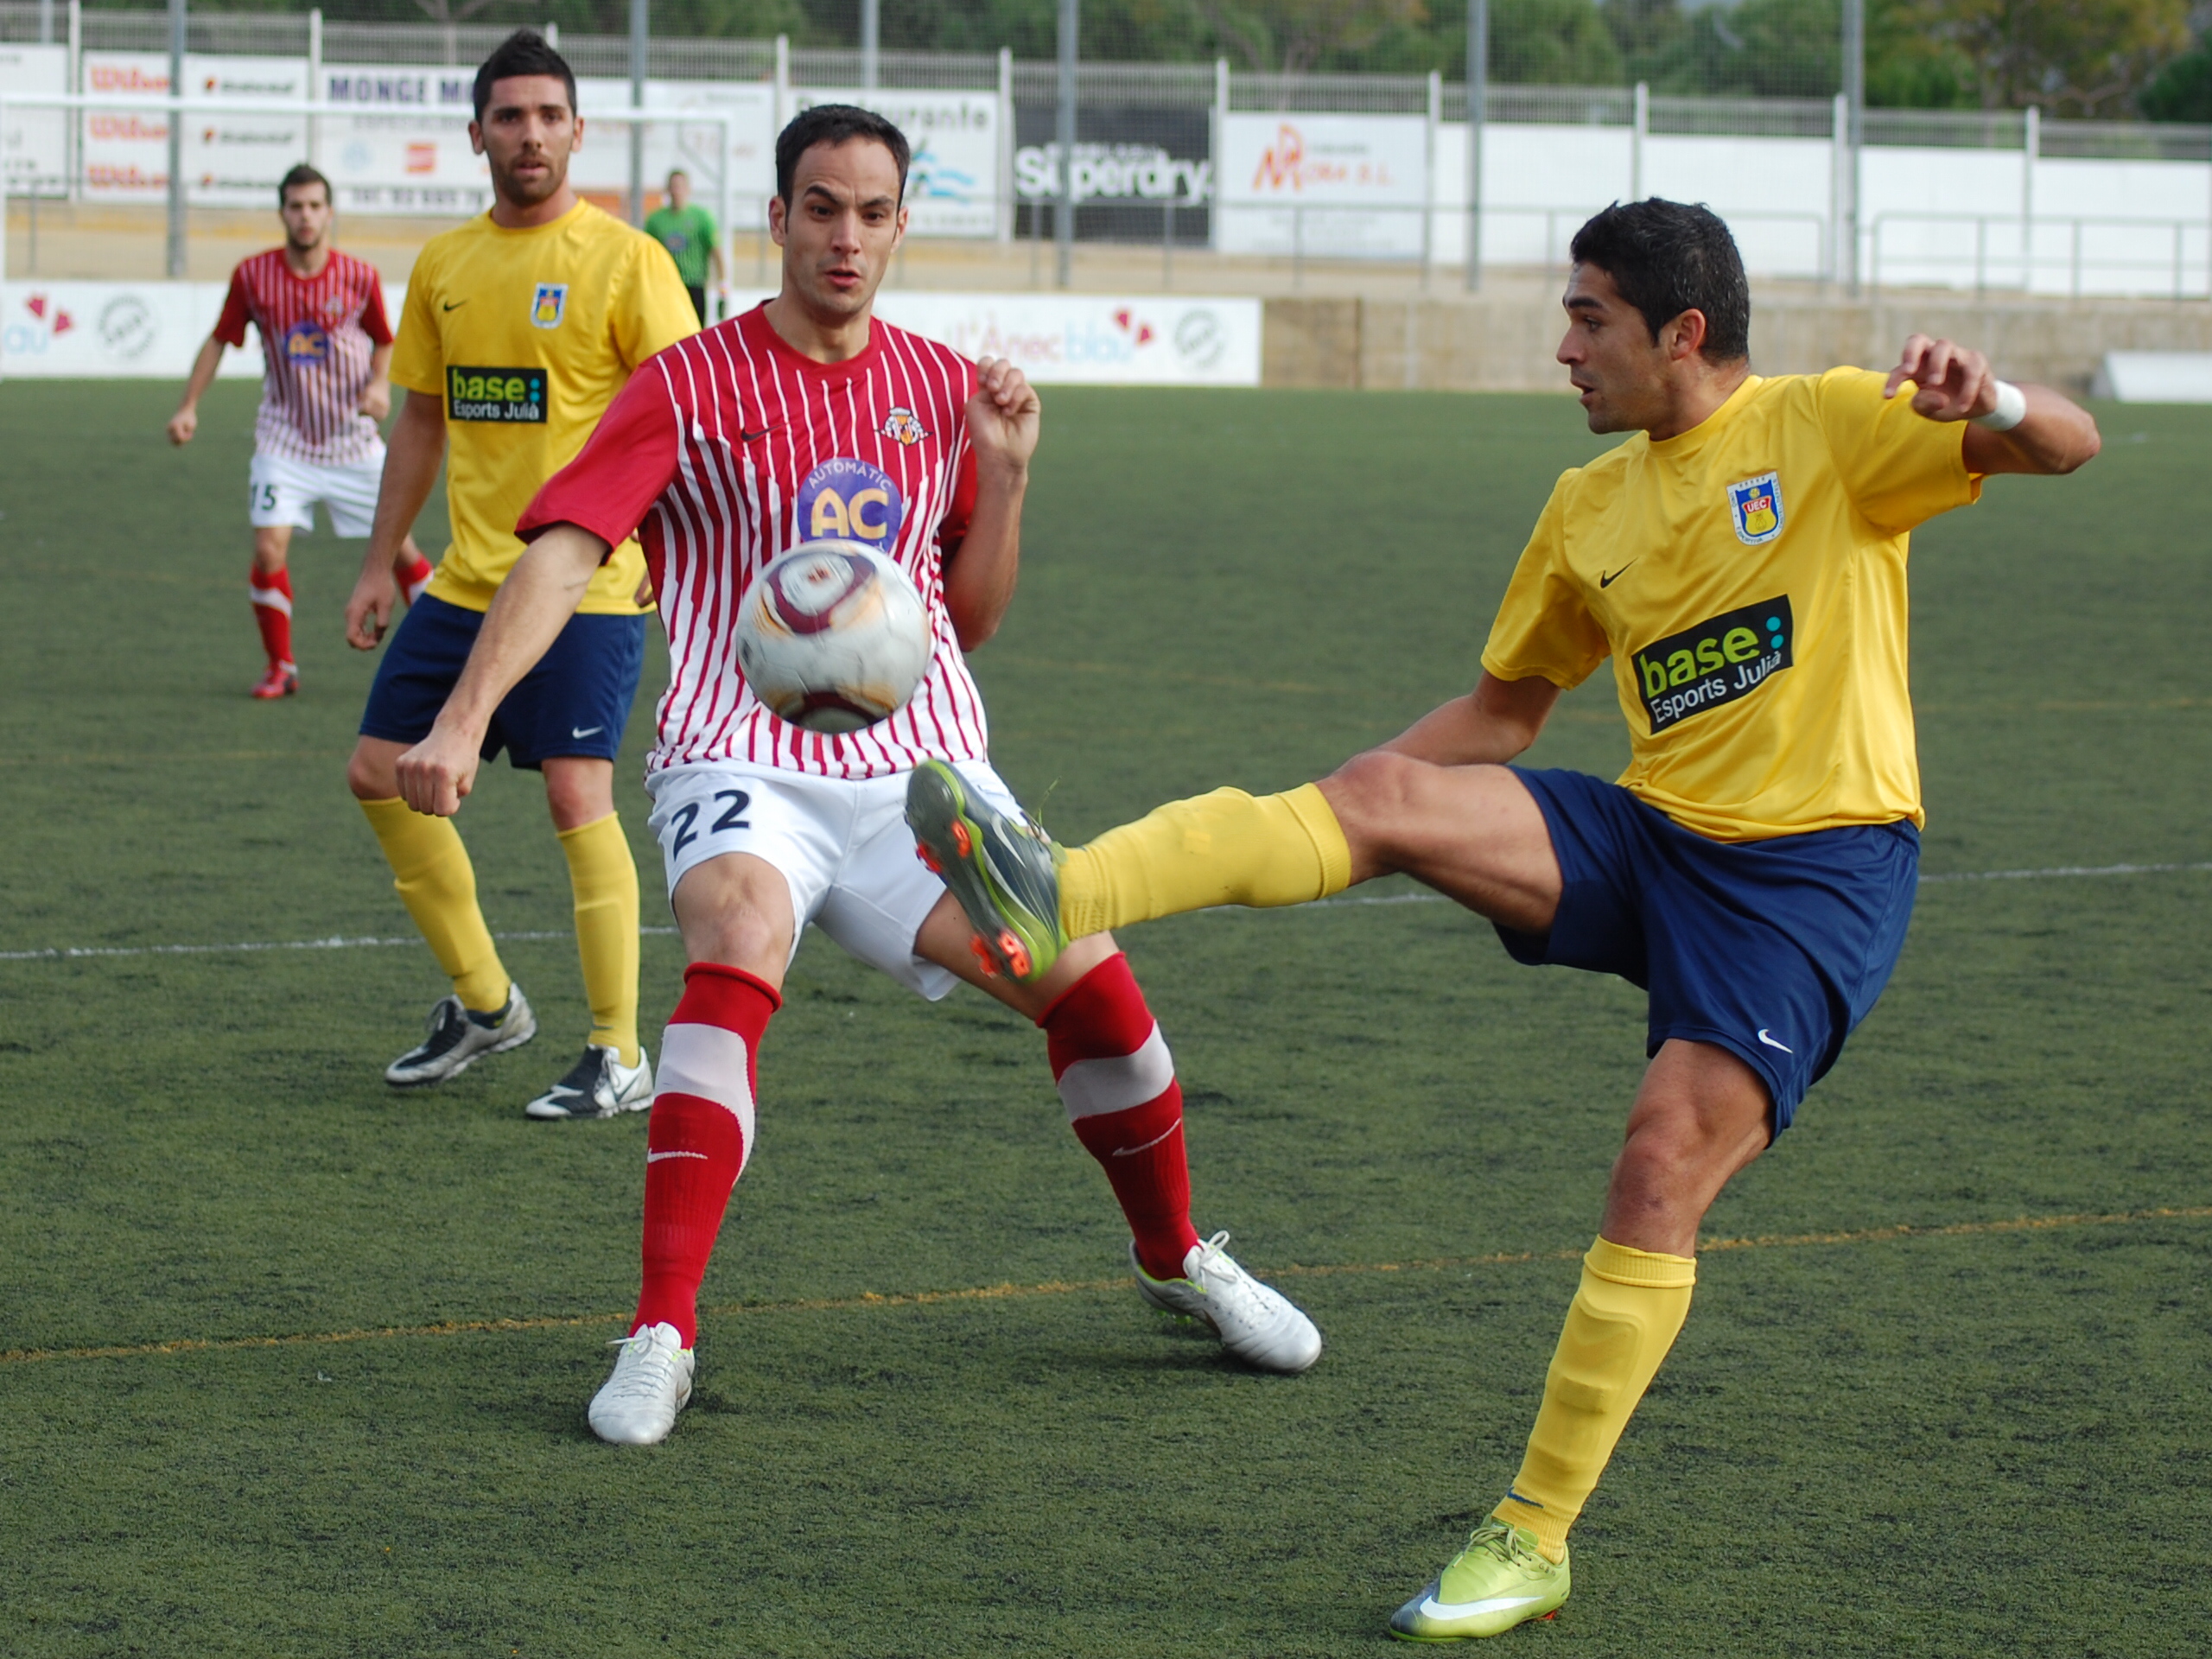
(69, 953)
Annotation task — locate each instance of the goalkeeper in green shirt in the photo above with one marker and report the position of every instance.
(688, 233)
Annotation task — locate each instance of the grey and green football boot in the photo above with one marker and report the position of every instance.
(1004, 870)
(1500, 1580)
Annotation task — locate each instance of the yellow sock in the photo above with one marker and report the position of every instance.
(604, 878)
(1223, 848)
(436, 883)
(1622, 1322)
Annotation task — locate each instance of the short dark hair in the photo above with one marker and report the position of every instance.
(833, 124)
(302, 173)
(1667, 257)
(523, 53)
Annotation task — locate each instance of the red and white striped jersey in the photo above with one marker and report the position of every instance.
(317, 335)
(730, 449)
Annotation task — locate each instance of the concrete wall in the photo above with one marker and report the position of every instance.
(1504, 342)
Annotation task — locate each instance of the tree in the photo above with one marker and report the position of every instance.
(2082, 58)
(1551, 42)
(2183, 90)
(1293, 36)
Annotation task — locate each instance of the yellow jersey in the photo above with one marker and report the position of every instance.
(526, 335)
(1747, 577)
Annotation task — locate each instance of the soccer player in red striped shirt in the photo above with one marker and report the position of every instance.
(807, 418)
(326, 352)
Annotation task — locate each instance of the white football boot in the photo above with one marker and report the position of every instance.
(651, 1382)
(598, 1086)
(455, 1039)
(1256, 1325)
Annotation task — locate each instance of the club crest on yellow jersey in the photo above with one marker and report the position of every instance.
(549, 305)
(904, 427)
(1755, 506)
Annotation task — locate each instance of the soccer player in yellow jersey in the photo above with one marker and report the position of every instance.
(519, 329)
(1741, 559)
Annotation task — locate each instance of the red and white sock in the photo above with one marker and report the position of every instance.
(1118, 1080)
(413, 580)
(700, 1133)
(272, 612)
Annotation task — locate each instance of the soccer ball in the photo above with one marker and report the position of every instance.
(831, 637)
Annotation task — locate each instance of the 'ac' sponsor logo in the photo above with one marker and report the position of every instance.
(506, 397)
(850, 500)
(1716, 662)
(306, 341)
(1755, 509)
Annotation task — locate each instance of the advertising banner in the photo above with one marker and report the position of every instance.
(952, 185)
(34, 143)
(1343, 187)
(601, 168)
(152, 330)
(1093, 340)
(235, 161)
(407, 151)
(230, 160)
(85, 331)
(1132, 162)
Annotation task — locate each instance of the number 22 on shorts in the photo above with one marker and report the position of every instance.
(732, 817)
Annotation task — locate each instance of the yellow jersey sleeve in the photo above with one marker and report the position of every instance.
(1899, 469)
(655, 312)
(417, 361)
(1543, 626)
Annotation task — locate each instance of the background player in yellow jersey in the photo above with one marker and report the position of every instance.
(1742, 561)
(519, 329)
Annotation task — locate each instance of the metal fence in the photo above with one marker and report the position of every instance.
(1192, 87)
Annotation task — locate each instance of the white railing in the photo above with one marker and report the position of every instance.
(2023, 258)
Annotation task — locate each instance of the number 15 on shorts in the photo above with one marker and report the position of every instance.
(732, 803)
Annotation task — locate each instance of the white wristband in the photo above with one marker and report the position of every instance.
(2012, 409)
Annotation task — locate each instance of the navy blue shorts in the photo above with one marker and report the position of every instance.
(575, 702)
(1773, 950)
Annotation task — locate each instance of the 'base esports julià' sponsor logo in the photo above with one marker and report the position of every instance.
(1716, 662)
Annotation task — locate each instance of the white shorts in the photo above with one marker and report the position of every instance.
(842, 845)
(281, 492)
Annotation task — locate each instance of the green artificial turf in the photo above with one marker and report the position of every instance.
(1964, 1438)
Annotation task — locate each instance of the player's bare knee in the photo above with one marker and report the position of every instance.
(577, 796)
(1374, 796)
(370, 776)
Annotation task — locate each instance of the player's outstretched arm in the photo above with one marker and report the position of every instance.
(410, 471)
(532, 606)
(2044, 432)
(1498, 719)
(1002, 422)
(186, 421)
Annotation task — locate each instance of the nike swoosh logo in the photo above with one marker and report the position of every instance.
(744, 437)
(453, 305)
(1604, 581)
(576, 732)
(655, 1157)
(1435, 1609)
(1770, 1043)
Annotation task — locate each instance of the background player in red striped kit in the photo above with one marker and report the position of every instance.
(807, 418)
(326, 350)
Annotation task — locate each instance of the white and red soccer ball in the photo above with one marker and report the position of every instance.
(832, 637)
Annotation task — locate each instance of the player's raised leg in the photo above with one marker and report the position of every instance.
(270, 589)
(736, 914)
(1471, 831)
(1117, 1079)
(487, 1012)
